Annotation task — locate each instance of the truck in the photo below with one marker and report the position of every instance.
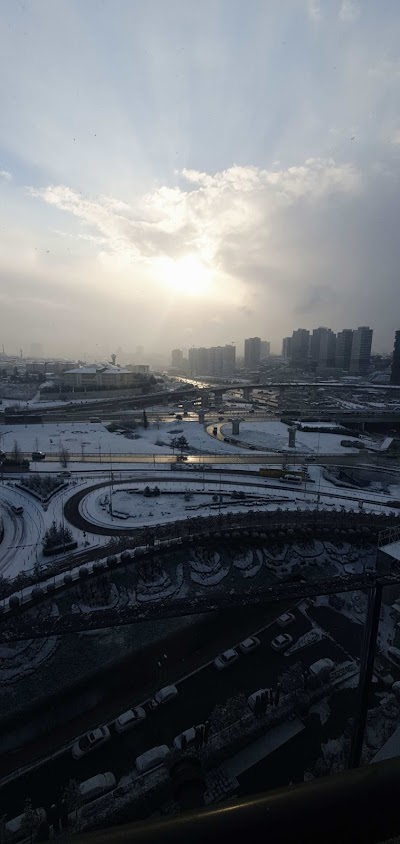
(270, 472)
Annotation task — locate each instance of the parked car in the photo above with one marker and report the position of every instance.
(15, 827)
(281, 642)
(226, 659)
(187, 736)
(97, 786)
(90, 742)
(165, 694)
(152, 758)
(285, 619)
(323, 665)
(38, 455)
(254, 697)
(65, 475)
(250, 644)
(130, 719)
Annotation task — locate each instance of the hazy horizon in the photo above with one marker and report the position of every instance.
(196, 173)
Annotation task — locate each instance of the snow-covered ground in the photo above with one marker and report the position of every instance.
(274, 436)
(85, 438)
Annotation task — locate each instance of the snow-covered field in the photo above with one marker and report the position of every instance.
(274, 436)
(185, 499)
(94, 438)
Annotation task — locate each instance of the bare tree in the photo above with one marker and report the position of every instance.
(5, 833)
(63, 456)
(31, 820)
(72, 797)
(16, 452)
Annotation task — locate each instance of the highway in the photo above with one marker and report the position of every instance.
(256, 457)
(198, 694)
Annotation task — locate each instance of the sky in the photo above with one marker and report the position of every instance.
(178, 173)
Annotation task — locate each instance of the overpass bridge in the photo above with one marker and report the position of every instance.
(28, 627)
(352, 417)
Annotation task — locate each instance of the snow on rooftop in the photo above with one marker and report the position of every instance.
(392, 549)
(91, 369)
(390, 749)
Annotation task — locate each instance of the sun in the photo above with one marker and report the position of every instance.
(188, 275)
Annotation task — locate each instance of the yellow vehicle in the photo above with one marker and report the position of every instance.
(271, 473)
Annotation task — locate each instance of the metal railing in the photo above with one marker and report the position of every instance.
(353, 806)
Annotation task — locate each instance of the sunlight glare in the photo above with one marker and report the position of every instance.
(187, 275)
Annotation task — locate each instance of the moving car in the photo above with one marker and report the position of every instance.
(281, 642)
(152, 758)
(285, 619)
(38, 455)
(130, 719)
(250, 644)
(16, 508)
(90, 742)
(97, 786)
(226, 659)
(65, 475)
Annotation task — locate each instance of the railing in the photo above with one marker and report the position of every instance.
(353, 806)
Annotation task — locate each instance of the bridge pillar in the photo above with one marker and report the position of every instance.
(235, 426)
(247, 391)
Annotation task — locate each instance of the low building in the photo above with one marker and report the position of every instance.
(98, 377)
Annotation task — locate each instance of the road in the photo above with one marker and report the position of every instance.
(214, 458)
(198, 694)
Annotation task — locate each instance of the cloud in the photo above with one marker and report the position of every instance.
(314, 9)
(349, 11)
(6, 175)
(175, 222)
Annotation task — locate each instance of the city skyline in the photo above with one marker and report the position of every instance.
(189, 190)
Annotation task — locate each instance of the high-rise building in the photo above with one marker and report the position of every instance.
(322, 347)
(216, 360)
(228, 360)
(361, 350)
(177, 358)
(287, 348)
(395, 373)
(252, 352)
(300, 345)
(265, 349)
(344, 343)
(327, 350)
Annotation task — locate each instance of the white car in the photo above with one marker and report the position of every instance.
(285, 619)
(130, 719)
(96, 786)
(152, 758)
(165, 694)
(226, 659)
(188, 735)
(321, 665)
(250, 644)
(90, 742)
(281, 642)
